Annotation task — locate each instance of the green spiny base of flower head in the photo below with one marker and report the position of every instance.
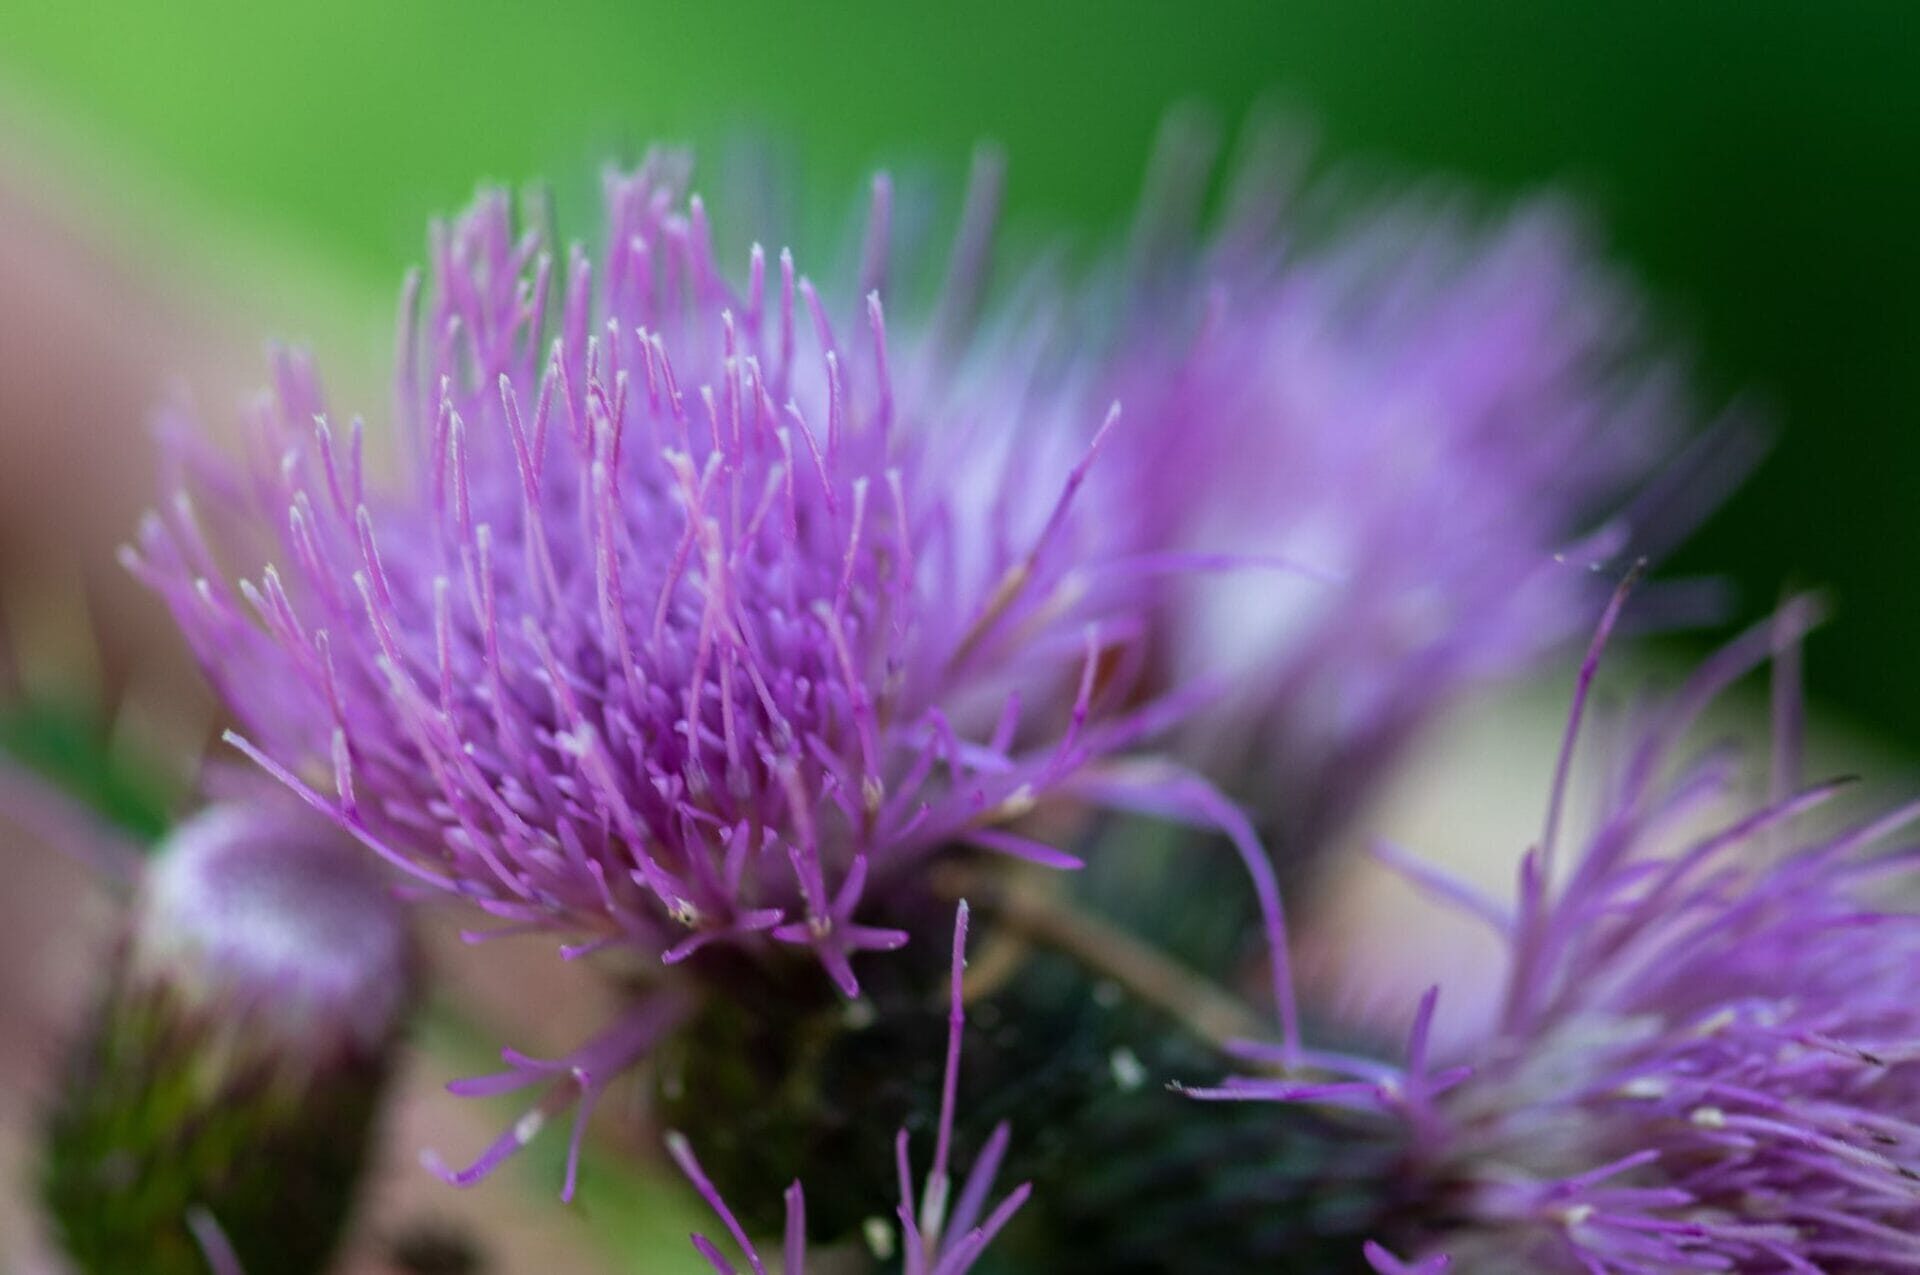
(1155, 1185)
(1131, 1177)
(1138, 1178)
(162, 1110)
(771, 1083)
(779, 1077)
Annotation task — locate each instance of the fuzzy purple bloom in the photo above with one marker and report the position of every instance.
(1708, 1052)
(671, 637)
(679, 630)
(944, 1236)
(1402, 442)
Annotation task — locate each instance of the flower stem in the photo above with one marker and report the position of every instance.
(1031, 910)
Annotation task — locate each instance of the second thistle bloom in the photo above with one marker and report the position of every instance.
(1705, 1057)
(1397, 438)
(671, 634)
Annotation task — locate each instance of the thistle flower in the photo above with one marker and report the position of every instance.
(1435, 421)
(225, 1089)
(942, 1235)
(679, 633)
(1706, 1056)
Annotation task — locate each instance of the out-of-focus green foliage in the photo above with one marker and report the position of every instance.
(67, 744)
(1755, 161)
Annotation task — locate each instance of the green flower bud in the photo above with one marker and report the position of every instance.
(232, 1067)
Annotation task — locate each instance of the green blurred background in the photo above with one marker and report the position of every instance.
(1757, 163)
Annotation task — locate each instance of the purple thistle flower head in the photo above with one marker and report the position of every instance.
(1400, 444)
(1708, 1052)
(671, 634)
(694, 618)
(942, 1235)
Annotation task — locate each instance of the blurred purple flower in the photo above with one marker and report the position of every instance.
(944, 1237)
(1402, 441)
(1708, 1057)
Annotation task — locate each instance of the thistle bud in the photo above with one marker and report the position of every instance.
(232, 1069)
